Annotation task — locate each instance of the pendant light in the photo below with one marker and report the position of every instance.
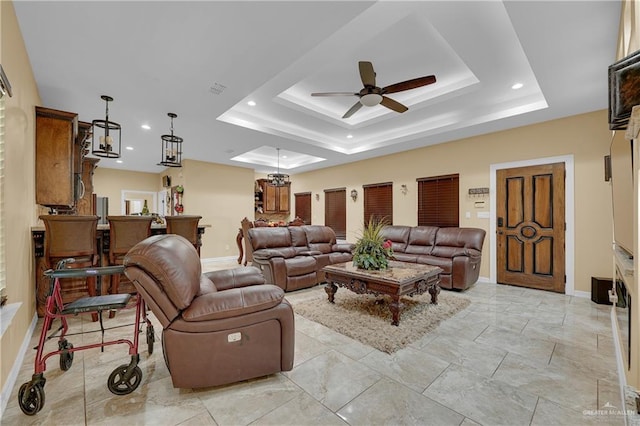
(106, 135)
(171, 147)
(278, 179)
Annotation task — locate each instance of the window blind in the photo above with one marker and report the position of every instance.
(378, 202)
(438, 201)
(335, 211)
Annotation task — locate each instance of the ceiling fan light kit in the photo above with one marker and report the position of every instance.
(372, 95)
(371, 99)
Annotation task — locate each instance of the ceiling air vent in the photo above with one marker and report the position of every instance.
(217, 88)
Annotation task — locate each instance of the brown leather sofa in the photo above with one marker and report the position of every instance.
(292, 257)
(219, 327)
(457, 251)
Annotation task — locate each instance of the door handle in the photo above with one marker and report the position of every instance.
(500, 222)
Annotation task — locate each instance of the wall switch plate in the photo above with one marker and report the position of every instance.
(234, 337)
(468, 215)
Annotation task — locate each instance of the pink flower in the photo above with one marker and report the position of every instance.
(387, 244)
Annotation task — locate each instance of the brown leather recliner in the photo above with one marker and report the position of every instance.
(218, 327)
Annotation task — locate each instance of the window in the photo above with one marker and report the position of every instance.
(378, 202)
(335, 211)
(303, 206)
(438, 199)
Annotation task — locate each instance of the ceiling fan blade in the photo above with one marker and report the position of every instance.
(335, 94)
(352, 110)
(410, 84)
(367, 74)
(394, 105)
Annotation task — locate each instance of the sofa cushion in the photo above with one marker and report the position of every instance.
(321, 238)
(171, 260)
(233, 302)
(421, 239)
(298, 239)
(262, 238)
(300, 265)
(443, 262)
(399, 236)
(461, 237)
(405, 257)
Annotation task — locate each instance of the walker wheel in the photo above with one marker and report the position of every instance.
(118, 384)
(150, 338)
(66, 357)
(31, 398)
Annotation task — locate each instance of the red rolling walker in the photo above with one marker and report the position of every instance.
(125, 378)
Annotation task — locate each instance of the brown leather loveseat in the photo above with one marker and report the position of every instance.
(218, 327)
(292, 257)
(457, 251)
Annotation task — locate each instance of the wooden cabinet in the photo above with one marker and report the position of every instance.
(275, 199)
(60, 148)
(86, 202)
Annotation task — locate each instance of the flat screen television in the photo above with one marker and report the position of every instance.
(621, 155)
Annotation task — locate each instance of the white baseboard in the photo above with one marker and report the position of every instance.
(583, 294)
(13, 375)
(483, 280)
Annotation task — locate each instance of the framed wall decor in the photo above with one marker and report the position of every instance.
(624, 90)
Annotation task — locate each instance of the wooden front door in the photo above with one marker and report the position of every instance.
(531, 227)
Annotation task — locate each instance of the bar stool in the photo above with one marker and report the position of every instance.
(68, 236)
(185, 226)
(124, 233)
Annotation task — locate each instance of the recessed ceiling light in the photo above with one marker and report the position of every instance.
(284, 156)
(119, 161)
(349, 136)
(130, 148)
(251, 103)
(517, 86)
(146, 127)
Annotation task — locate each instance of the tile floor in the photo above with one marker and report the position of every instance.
(513, 357)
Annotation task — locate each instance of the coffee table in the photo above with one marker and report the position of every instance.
(400, 279)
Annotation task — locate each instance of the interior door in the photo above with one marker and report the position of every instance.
(530, 226)
(303, 207)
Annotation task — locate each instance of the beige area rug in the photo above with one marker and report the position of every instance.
(360, 317)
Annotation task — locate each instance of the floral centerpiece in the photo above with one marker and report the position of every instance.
(372, 251)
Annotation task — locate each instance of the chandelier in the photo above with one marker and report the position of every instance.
(278, 179)
(171, 147)
(105, 135)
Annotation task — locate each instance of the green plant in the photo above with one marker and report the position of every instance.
(371, 251)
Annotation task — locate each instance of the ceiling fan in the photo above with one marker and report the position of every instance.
(372, 95)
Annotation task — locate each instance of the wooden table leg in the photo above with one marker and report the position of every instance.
(434, 290)
(239, 242)
(395, 307)
(331, 289)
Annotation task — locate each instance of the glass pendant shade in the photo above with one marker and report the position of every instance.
(171, 147)
(278, 179)
(106, 135)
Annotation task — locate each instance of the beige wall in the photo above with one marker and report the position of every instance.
(584, 136)
(111, 182)
(19, 189)
(221, 194)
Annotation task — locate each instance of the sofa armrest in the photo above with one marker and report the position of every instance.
(343, 247)
(235, 278)
(266, 254)
(233, 303)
